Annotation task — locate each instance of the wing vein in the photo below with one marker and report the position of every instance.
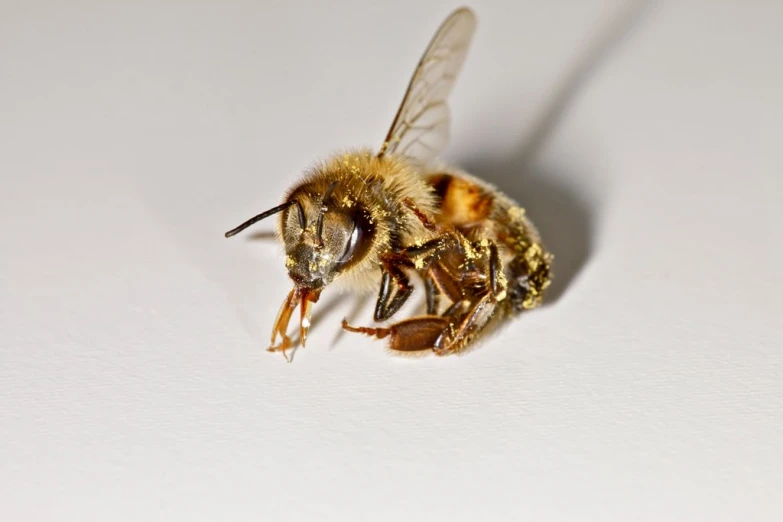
(421, 126)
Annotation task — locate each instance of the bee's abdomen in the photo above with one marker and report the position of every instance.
(461, 202)
(480, 211)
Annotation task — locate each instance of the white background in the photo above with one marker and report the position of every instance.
(134, 381)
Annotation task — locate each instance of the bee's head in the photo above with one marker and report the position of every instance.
(324, 235)
(325, 232)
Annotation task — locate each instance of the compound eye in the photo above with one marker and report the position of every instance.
(353, 241)
(359, 241)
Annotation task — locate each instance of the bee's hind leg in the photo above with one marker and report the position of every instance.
(472, 316)
(411, 335)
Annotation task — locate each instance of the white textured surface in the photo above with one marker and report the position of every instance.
(134, 384)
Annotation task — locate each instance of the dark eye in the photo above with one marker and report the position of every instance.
(360, 240)
(353, 241)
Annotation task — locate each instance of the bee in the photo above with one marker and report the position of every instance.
(370, 219)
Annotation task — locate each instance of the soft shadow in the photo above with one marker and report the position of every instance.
(362, 301)
(565, 214)
(321, 309)
(599, 49)
(262, 235)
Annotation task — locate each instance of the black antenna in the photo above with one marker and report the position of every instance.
(271, 211)
(320, 223)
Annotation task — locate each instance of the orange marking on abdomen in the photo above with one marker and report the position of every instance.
(463, 203)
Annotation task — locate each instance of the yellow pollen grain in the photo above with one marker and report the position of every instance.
(470, 252)
(533, 256)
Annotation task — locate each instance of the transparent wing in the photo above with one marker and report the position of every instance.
(421, 126)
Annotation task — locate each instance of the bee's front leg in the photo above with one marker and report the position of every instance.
(395, 283)
(392, 297)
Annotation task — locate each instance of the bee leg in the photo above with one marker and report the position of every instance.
(478, 314)
(393, 268)
(380, 333)
(457, 308)
(410, 335)
(445, 283)
(390, 300)
(497, 282)
(428, 248)
(433, 296)
(470, 324)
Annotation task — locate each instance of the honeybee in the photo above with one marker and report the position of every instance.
(363, 218)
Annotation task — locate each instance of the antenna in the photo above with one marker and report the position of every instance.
(271, 211)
